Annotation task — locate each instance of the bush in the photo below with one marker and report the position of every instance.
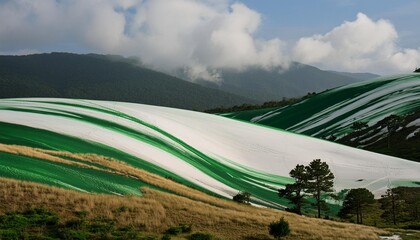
(279, 229)
(186, 228)
(200, 236)
(182, 228)
(166, 237)
(242, 197)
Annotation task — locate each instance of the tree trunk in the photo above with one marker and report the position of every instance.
(318, 198)
(357, 214)
(319, 209)
(393, 209)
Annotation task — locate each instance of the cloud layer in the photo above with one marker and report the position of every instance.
(361, 45)
(199, 36)
(195, 35)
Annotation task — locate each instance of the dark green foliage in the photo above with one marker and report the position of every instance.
(392, 123)
(355, 202)
(417, 70)
(246, 107)
(182, 228)
(242, 197)
(401, 204)
(411, 198)
(39, 223)
(397, 144)
(200, 236)
(166, 237)
(315, 180)
(174, 230)
(29, 224)
(295, 192)
(320, 183)
(101, 78)
(359, 125)
(279, 229)
(186, 228)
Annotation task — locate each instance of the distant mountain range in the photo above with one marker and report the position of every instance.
(109, 77)
(103, 78)
(273, 84)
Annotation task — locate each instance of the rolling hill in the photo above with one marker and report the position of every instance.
(103, 78)
(207, 152)
(333, 112)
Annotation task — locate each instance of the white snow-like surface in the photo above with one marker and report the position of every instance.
(390, 95)
(414, 123)
(234, 143)
(413, 133)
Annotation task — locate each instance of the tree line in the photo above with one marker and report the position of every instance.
(314, 186)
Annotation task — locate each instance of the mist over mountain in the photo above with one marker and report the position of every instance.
(269, 84)
(360, 76)
(103, 78)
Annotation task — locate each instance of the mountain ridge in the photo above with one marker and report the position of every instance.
(276, 83)
(98, 77)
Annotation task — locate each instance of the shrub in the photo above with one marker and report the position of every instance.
(200, 236)
(182, 228)
(186, 228)
(242, 197)
(279, 229)
(166, 237)
(174, 230)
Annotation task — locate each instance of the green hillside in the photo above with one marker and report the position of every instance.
(333, 111)
(331, 114)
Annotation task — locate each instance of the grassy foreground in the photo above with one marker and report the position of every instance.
(156, 211)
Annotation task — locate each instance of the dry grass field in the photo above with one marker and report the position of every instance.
(156, 211)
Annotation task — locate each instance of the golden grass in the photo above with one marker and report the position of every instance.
(38, 153)
(157, 211)
(116, 166)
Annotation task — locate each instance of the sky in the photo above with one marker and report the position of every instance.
(202, 36)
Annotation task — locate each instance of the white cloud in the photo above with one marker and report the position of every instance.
(361, 45)
(198, 35)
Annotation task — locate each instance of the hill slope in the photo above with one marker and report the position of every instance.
(402, 143)
(99, 77)
(333, 112)
(212, 153)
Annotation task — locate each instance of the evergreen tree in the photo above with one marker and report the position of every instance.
(295, 192)
(410, 197)
(355, 201)
(392, 123)
(320, 183)
(392, 204)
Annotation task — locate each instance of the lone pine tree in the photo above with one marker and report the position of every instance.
(320, 183)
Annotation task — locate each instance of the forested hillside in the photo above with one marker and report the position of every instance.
(98, 77)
